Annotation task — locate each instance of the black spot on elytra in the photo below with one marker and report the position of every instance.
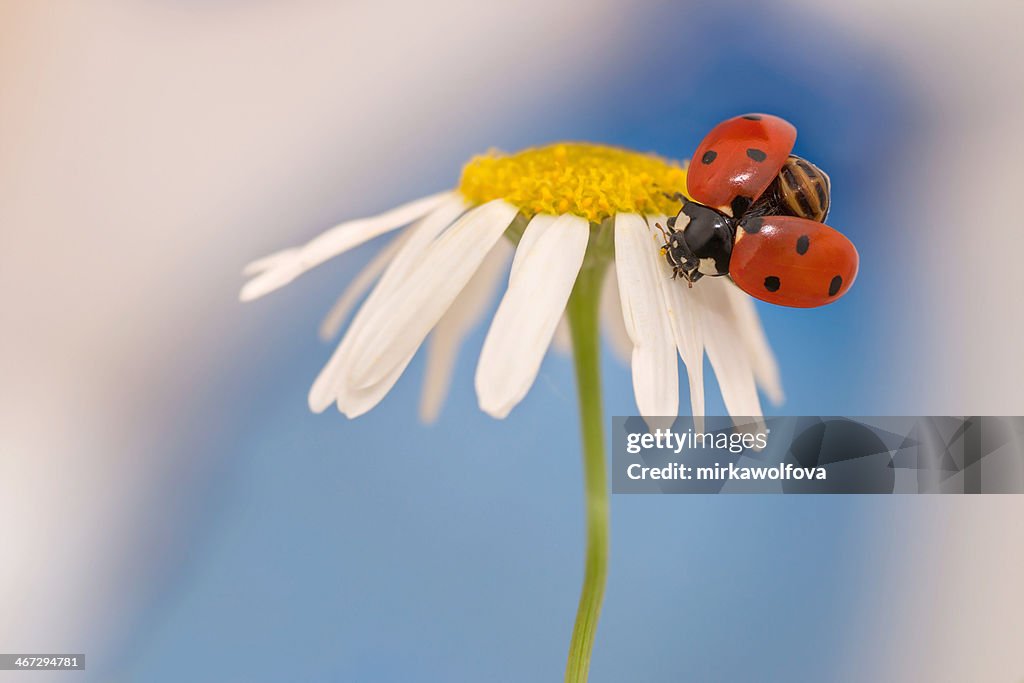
(752, 225)
(756, 154)
(802, 244)
(708, 157)
(772, 283)
(752, 117)
(833, 287)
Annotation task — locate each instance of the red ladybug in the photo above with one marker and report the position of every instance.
(738, 160)
(789, 260)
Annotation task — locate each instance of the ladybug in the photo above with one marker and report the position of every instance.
(759, 218)
(784, 260)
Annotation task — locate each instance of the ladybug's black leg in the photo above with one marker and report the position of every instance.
(693, 275)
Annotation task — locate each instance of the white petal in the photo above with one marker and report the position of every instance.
(261, 264)
(655, 372)
(546, 264)
(684, 315)
(414, 306)
(446, 339)
(281, 268)
(766, 368)
(330, 384)
(362, 282)
(611, 317)
(726, 349)
(465, 312)
(355, 402)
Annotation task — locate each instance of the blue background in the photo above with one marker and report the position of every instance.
(321, 549)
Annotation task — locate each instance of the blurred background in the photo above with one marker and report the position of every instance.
(169, 506)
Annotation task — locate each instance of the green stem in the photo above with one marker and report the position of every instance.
(583, 313)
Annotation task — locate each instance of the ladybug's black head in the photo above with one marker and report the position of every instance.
(700, 242)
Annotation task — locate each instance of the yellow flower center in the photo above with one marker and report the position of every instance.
(592, 181)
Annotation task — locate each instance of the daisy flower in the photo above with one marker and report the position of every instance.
(578, 223)
(567, 208)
